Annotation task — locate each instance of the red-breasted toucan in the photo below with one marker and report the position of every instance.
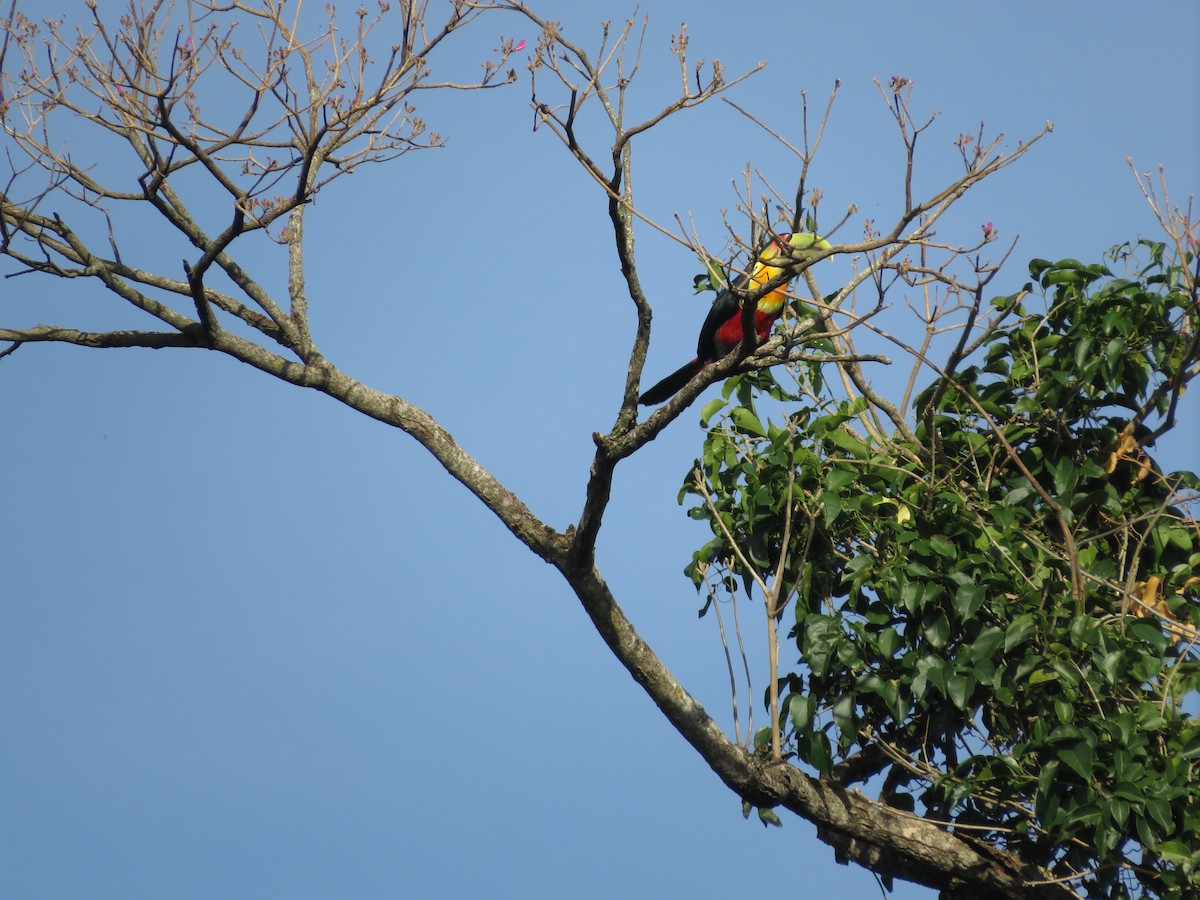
(722, 329)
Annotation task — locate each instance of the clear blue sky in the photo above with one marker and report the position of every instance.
(254, 645)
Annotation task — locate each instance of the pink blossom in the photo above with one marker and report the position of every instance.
(520, 45)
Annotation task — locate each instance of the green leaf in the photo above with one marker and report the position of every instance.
(1160, 811)
(1111, 664)
(1086, 814)
(1191, 750)
(747, 421)
(1146, 834)
(762, 738)
(1065, 476)
(833, 507)
(711, 408)
(1079, 757)
(1175, 852)
(967, 600)
(937, 630)
(801, 708)
(1019, 630)
(818, 753)
(885, 690)
(1064, 711)
(1018, 495)
(1038, 266)
(768, 817)
(1083, 351)
(942, 546)
(888, 642)
(1151, 634)
(821, 637)
(1065, 272)
(843, 712)
(849, 443)
(986, 642)
(839, 477)
(958, 687)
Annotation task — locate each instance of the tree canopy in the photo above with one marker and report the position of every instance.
(993, 601)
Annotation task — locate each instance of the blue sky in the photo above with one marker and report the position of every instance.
(255, 645)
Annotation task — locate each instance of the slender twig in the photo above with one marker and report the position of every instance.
(715, 603)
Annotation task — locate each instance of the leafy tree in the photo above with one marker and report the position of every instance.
(993, 602)
(954, 574)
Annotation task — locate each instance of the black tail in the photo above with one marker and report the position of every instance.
(670, 385)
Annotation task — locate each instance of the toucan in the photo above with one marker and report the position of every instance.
(722, 328)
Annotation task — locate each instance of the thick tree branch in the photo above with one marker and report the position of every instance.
(884, 840)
